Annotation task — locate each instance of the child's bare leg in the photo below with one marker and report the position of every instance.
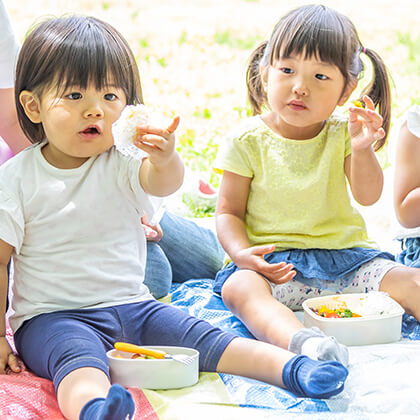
(403, 285)
(274, 365)
(249, 297)
(254, 359)
(89, 384)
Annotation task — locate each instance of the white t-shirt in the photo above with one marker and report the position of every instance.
(9, 50)
(76, 232)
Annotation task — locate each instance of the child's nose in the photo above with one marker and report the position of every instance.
(93, 111)
(300, 89)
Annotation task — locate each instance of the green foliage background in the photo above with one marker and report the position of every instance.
(193, 54)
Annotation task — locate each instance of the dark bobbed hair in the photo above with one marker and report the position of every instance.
(320, 32)
(74, 51)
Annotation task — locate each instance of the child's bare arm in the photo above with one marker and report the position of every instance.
(6, 355)
(162, 172)
(230, 213)
(407, 179)
(362, 167)
(231, 230)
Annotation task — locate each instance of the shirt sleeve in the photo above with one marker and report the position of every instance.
(233, 156)
(413, 120)
(12, 223)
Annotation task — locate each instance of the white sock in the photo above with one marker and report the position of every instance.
(312, 342)
(310, 347)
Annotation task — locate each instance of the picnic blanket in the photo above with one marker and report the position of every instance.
(383, 381)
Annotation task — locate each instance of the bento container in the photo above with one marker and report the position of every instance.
(373, 327)
(154, 373)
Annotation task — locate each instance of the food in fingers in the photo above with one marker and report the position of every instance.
(125, 130)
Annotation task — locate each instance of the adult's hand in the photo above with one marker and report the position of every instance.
(153, 233)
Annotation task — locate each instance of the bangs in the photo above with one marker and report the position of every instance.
(315, 32)
(88, 58)
(85, 52)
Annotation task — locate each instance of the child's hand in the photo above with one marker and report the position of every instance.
(157, 142)
(253, 259)
(7, 358)
(365, 126)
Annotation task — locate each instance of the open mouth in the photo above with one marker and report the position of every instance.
(92, 130)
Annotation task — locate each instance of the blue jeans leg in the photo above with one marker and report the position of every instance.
(410, 254)
(192, 251)
(158, 275)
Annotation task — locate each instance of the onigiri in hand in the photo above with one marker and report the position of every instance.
(125, 128)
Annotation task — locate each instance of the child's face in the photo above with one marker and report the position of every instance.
(78, 123)
(303, 93)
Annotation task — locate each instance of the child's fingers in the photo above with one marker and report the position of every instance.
(151, 140)
(277, 273)
(144, 129)
(374, 117)
(13, 363)
(283, 274)
(2, 367)
(353, 115)
(368, 102)
(282, 270)
(174, 125)
(278, 278)
(379, 134)
(367, 116)
(284, 279)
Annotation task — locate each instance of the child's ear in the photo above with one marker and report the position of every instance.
(264, 76)
(30, 104)
(351, 85)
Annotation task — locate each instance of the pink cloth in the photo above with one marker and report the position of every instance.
(5, 151)
(25, 396)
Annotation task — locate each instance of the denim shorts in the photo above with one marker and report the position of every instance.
(54, 344)
(410, 255)
(312, 265)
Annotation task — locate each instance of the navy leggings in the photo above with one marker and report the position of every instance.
(54, 344)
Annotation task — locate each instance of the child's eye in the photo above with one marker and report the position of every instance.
(110, 96)
(321, 76)
(286, 70)
(74, 95)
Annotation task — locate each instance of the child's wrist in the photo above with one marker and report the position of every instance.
(363, 149)
(158, 164)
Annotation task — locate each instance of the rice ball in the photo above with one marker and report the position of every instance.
(124, 129)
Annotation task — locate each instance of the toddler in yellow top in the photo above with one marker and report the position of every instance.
(284, 214)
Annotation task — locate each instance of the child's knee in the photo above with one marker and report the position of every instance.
(241, 286)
